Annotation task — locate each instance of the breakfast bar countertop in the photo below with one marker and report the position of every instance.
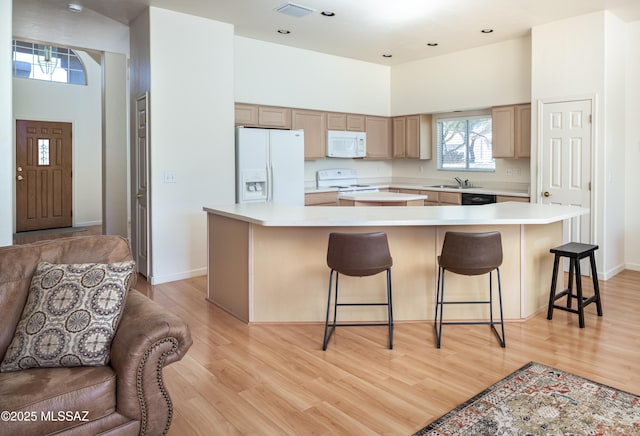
(268, 214)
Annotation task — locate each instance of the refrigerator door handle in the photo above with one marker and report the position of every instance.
(270, 183)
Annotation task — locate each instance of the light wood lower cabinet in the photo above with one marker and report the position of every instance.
(442, 198)
(314, 124)
(321, 199)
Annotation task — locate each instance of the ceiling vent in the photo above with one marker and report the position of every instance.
(294, 10)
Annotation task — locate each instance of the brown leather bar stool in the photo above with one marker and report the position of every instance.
(358, 255)
(469, 254)
(575, 251)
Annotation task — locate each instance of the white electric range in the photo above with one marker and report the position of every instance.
(343, 179)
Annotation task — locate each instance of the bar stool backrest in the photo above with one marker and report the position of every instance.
(359, 254)
(471, 253)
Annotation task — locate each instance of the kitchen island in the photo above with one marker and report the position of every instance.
(381, 199)
(267, 263)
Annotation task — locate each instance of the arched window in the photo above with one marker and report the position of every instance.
(46, 62)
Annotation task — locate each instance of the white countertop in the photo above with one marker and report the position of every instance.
(477, 190)
(381, 196)
(268, 214)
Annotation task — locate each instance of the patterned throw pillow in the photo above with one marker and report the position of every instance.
(70, 317)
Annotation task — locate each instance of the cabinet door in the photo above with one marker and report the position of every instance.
(246, 114)
(503, 127)
(336, 121)
(413, 137)
(523, 130)
(314, 124)
(378, 137)
(270, 116)
(399, 137)
(355, 123)
(450, 198)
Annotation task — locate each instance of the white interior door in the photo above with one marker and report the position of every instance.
(566, 162)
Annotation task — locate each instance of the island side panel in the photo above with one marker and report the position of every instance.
(471, 288)
(538, 240)
(291, 276)
(229, 264)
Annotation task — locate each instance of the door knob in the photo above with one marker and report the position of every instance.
(138, 195)
(546, 194)
(20, 177)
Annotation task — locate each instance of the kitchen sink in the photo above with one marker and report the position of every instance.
(451, 186)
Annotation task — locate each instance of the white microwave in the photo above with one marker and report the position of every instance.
(346, 144)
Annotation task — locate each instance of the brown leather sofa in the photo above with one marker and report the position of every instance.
(126, 397)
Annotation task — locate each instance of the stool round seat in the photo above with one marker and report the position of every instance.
(469, 254)
(357, 255)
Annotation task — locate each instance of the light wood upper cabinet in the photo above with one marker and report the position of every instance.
(355, 123)
(523, 130)
(412, 137)
(379, 141)
(262, 116)
(314, 124)
(349, 122)
(511, 130)
(270, 116)
(399, 136)
(336, 121)
(246, 114)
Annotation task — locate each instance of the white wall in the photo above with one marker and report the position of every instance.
(581, 57)
(632, 153)
(7, 151)
(192, 135)
(477, 78)
(81, 106)
(272, 74)
(51, 22)
(614, 145)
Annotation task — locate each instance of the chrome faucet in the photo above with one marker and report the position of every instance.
(462, 183)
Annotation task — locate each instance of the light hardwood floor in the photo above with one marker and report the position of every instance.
(275, 379)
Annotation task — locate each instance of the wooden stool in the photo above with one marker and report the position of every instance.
(575, 251)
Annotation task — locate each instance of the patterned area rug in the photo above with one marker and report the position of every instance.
(540, 400)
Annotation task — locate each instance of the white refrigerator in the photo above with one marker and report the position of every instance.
(269, 166)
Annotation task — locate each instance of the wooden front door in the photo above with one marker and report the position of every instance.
(43, 175)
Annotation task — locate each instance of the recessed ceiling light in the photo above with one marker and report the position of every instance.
(284, 31)
(387, 55)
(74, 7)
(432, 44)
(487, 30)
(328, 13)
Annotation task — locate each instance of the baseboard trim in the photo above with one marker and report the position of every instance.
(159, 279)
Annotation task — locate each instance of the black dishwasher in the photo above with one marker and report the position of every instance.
(477, 199)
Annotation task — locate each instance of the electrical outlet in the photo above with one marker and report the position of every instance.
(169, 177)
(509, 172)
